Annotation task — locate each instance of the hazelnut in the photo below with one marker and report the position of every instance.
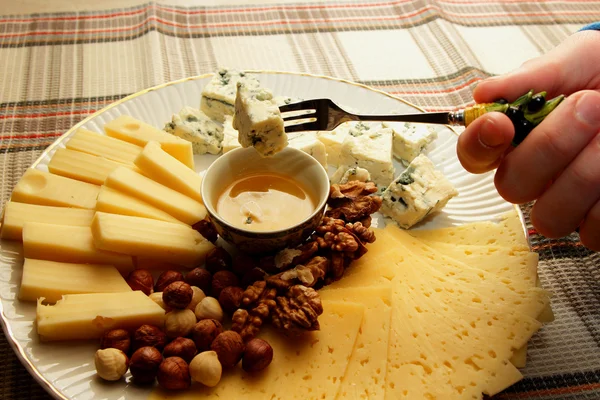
(218, 259)
(209, 308)
(174, 374)
(158, 299)
(178, 295)
(196, 298)
(206, 369)
(166, 278)
(149, 335)
(207, 230)
(231, 298)
(229, 346)
(141, 279)
(204, 332)
(257, 356)
(144, 364)
(243, 263)
(199, 277)
(254, 275)
(181, 347)
(179, 323)
(111, 364)
(221, 280)
(116, 339)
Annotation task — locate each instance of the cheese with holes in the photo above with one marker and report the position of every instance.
(180, 206)
(88, 316)
(17, 214)
(135, 236)
(81, 166)
(230, 135)
(218, 96)
(196, 127)
(103, 146)
(71, 244)
(114, 202)
(131, 130)
(46, 189)
(160, 166)
(411, 140)
(308, 143)
(51, 280)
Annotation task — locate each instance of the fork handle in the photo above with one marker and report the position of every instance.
(443, 118)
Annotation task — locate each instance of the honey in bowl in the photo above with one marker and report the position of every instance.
(265, 202)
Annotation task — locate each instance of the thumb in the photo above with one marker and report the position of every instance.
(482, 145)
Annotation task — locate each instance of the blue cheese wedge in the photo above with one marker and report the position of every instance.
(345, 174)
(230, 135)
(258, 120)
(194, 126)
(417, 192)
(218, 96)
(412, 140)
(333, 140)
(310, 144)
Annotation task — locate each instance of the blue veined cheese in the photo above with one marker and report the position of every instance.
(345, 174)
(230, 135)
(258, 120)
(194, 126)
(417, 192)
(333, 140)
(411, 140)
(371, 150)
(308, 143)
(218, 96)
(284, 100)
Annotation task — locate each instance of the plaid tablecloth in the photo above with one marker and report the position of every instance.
(61, 65)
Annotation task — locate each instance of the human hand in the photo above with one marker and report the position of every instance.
(558, 164)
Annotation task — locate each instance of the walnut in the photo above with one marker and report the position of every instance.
(361, 231)
(298, 310)
(257, 302)
(332, 234)
(307, 275)
(351, 190)
(352, 201)
(257, 293)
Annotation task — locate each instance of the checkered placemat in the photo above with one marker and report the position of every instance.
(58, 68)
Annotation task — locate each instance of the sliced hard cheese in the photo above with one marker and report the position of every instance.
(44, 188)
(103, 146)
(88, 316)
(140, 133)
(51, 280)
(71, 244)
(17, 214)
(135, 236)
(159, 165)
(114, 202)
(174, 203)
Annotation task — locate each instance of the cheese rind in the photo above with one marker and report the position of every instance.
(44, 188)
(103, 146)
(412, 140)
(310, 144)
(218, 96)
(182, 207)
(52, 280)
(196, 127)
(81, 166)
(135, 236)
(230, 135)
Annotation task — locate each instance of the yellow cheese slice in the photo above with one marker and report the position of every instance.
(88, 316)
(174, 203)
(114, 202)
(51, 280)
(71, 244)
(135, 236)
(16, 214)
(159, 165)
(131, 130)
(365, 375)
(81, 166)
(44, 188)
(103, 146)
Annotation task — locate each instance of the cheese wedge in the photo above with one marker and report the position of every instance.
(44, 188)
(103, 146)
(81, 166)
(174, 203)
(17, 214)
(114, 202)
(51, 280)
(135, 236)
(70, 244)
(131, 130)
(159, 165)
(88, 316)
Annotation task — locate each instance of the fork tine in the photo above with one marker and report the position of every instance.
(308, 126)
(302, 105)
(307, 115)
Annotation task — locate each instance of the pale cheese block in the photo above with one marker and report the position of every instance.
(160, 166)
(81, 166)
(51, 280)
(46, 189)
(131, 130)
(17, 214)
(365, 374)
(182, 207)
(135, 236)
(71, 244)
(88, 316)
(100, 145)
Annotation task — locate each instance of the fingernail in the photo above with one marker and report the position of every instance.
(488, 135)
(588, 109)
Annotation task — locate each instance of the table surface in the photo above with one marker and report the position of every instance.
(62, 60)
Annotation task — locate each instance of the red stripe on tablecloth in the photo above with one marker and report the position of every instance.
(549, 392)
(30, 136)
(50, 114)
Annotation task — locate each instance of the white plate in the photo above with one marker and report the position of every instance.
(66, 370)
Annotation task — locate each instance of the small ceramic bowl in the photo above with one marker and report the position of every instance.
(241, 162)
